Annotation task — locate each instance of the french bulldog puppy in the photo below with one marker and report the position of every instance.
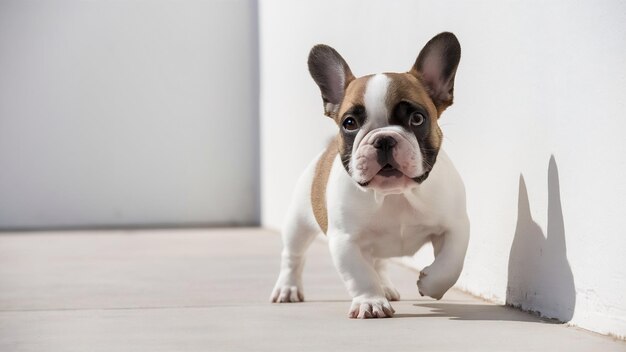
(384, 187)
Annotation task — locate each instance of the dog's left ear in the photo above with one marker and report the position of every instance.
(436, 67)
(332, 75)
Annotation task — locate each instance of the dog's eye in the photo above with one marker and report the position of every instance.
(416, 119)
(350, 124)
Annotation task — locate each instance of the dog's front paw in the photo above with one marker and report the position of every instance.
(371, 307)
(430, 285)
(286, 294)
(391, 293)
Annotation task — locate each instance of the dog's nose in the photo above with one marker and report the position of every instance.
(384, 142)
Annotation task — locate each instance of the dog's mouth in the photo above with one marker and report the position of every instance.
(389, 171)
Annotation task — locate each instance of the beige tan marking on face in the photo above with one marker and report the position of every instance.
(406, 86)
(353, 97)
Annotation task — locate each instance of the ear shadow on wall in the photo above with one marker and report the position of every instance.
(540, 278)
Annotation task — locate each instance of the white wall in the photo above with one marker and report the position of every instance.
(536, 132)
(128, 113)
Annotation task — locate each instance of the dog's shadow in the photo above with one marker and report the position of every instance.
(539, 275)
(475, 312)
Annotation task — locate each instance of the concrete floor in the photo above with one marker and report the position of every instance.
(207, 290)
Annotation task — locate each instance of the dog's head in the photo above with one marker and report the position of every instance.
(389, 137)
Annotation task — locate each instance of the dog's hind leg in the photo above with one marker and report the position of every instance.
(297, 238)
(298, 233)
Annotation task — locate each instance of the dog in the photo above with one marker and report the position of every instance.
(383, 187)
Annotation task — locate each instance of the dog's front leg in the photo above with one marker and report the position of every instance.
(450, 248)
(360, 278)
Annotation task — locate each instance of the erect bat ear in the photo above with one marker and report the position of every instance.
(332, 74)
(436, 67)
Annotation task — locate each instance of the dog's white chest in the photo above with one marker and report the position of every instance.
(396, 229)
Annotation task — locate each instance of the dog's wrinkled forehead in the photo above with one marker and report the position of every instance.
(379, 94)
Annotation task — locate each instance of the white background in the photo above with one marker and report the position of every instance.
(128, 113)
(537, 80)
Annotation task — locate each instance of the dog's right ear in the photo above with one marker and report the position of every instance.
(332, 74)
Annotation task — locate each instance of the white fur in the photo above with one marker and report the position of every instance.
(374, 99)
(366, 227)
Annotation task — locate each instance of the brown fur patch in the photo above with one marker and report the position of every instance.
(320, 180)
(353, 96)
(406, 86)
